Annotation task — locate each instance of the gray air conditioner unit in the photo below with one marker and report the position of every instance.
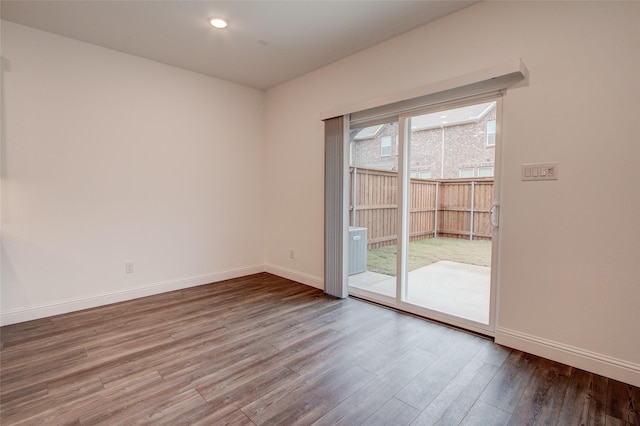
(357, 250)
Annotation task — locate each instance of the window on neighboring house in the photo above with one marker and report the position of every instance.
(385, 146)
(491, 133)
(485, 171)
(467, 172)
(424, 174)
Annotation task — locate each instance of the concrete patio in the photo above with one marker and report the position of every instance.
(454, 288)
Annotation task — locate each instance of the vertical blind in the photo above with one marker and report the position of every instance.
(336, 215)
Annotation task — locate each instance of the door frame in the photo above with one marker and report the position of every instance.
(403, 223)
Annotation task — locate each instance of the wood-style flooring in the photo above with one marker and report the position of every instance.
(264, 350)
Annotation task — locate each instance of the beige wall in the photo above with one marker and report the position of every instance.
(570, 264)
(109, 158)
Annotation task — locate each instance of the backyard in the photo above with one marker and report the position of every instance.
(425, 252)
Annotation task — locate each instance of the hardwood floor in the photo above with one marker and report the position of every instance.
(266, 351)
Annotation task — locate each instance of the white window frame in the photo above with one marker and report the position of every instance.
(491, 133)
(463, 169)
(485, 168)
(385, 146)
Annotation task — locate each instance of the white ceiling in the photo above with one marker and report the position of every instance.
(265, 44)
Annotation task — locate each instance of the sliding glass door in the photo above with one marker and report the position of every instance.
(423, 197)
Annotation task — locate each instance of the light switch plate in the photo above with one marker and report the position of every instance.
(540, 171)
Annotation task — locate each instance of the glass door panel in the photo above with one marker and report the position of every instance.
(373, 212)
(451, 163)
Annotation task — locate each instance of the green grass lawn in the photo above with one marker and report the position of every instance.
(426, 252)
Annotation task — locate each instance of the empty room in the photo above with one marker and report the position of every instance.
(320, 212)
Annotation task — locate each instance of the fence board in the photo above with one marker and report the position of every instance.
(376, 207)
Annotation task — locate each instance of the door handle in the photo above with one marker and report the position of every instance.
(495, 210)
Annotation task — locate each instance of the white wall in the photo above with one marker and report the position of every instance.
(570, 267)
(108, 158)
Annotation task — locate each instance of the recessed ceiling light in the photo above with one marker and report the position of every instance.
(218, 23)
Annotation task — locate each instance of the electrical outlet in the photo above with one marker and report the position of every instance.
(292, 254)
(128, 267)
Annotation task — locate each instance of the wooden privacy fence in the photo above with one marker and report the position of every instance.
(463, 207)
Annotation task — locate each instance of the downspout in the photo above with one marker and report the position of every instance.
(442, 156)
(355, 195)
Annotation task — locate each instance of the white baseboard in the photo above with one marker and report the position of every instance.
(604, 365)
(63, 307)
(301, 277)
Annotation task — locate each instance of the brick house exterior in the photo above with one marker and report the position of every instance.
(467, 135)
